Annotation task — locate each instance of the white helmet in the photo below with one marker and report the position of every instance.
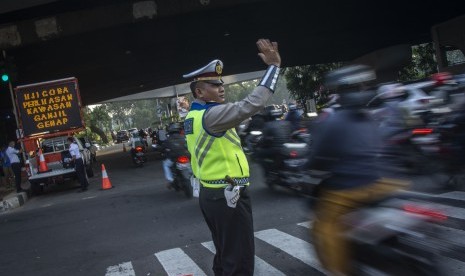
(391, 91)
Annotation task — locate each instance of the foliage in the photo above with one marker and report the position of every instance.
(98, 123)
(238, 91)
(423, 63)
(305, 82)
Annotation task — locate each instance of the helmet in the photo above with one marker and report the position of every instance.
(349, 76)
(273, 111)
(348, 81)
(174, 127)
(292, 106)
(391, 91)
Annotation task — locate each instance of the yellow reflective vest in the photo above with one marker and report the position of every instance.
(214, 156)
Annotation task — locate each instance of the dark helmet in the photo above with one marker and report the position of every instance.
(175, 128)
(273, 111)
(350, 83)
(349, 76)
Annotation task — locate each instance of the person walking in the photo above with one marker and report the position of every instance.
(78, 164)
(219, 163)
(12, 154)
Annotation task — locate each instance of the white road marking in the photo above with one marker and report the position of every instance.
(176, 262)
(261, 268)
(306, 224)
(293, 246)
(453, 195)
(124, 269)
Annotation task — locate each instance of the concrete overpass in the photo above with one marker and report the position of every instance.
(121, 47)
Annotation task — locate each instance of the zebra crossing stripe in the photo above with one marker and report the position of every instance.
(306, 224)
(261, 268)
(176, 262)
(124, 269)
(293, 246)
(453, 195)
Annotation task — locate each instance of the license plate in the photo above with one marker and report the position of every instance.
(295, 162)
(139, 154)
(183, 166)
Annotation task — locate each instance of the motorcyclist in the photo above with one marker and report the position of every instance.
(346, 145)
(174, 146)
(391, 115)
(257, 121)
(276, 132)
(135, 140)
(293, 116)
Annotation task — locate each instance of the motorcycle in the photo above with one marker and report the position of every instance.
(182, 173)
(396, 235)
(139, 157)
(441, 144)
(289, 167)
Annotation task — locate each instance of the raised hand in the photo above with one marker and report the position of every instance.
(269, 52)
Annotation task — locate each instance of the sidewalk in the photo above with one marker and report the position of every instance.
(11, 199)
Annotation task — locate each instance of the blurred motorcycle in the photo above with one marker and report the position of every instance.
(288, 168)
(397, 235)
(182, 173)
(139, 157)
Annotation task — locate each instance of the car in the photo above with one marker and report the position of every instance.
(122, 136)
(90, 146)
(97, 145)
(133, 130)
(415, 101)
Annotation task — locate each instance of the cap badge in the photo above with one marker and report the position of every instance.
(218, 68)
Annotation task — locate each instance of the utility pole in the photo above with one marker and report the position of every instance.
(18, 132)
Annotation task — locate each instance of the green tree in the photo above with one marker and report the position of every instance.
(143, 113)
(304, 82)
(423, 63)
(121, 114)
(238, 91)
(98, 121)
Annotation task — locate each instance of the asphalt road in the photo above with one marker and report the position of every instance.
(139, 227)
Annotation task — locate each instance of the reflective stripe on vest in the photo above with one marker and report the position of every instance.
(212, 158)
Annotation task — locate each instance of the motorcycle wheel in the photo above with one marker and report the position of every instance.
(271, 179)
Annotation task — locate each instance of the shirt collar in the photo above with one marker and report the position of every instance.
(198, 104)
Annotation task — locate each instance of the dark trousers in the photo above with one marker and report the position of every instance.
(16, 167)
(232, 232)
(81, 173)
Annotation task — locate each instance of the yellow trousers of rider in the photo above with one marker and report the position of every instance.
(330, 245)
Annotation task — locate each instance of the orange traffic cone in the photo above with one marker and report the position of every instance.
(42, 164)
(106, 184)
(124, 147)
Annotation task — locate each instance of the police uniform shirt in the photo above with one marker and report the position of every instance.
(225, 116)
(74, 150)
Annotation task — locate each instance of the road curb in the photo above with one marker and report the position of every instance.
(12, 201)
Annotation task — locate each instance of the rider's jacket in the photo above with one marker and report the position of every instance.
(214, 156)
(347, 145)
(276, 133)
(175, 146)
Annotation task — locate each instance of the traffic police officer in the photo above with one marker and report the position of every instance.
(219, 163)
(78, 163)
